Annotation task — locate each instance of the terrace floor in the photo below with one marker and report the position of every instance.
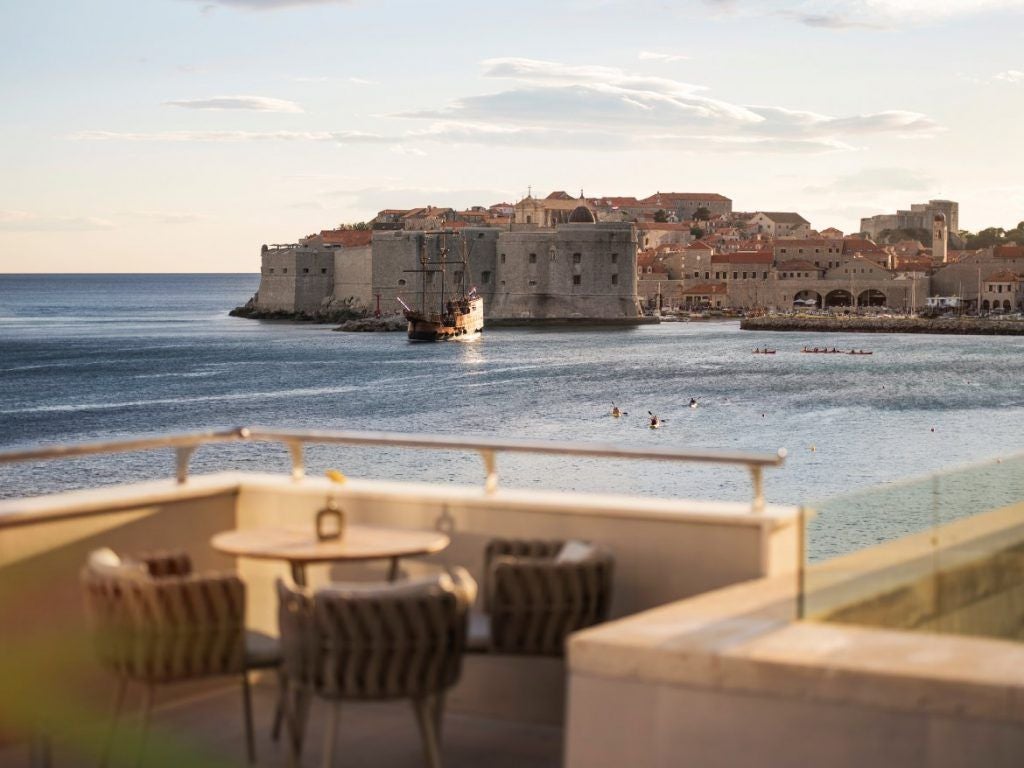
(208, 726)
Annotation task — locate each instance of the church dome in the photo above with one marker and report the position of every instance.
(581, 215)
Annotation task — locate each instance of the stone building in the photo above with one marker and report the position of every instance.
(684, 205)
(779, 224)
(940, 239)
(1001, 292)
(918, 216)
(544, 212)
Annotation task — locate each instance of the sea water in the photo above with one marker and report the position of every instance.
(99, 357)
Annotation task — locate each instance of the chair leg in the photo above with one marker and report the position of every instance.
(122, 686)
(282, 703)
(426, 722)
(250, 739)
(331, 733)
(39, 755)
(147, 711)
(296, 714)
(439, 717)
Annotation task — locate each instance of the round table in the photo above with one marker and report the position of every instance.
(300, 546)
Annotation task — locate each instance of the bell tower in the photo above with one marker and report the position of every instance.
(940, 239)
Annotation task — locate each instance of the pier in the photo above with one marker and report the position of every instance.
(872, 324)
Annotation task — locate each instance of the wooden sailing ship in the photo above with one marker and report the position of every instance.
(461, 312)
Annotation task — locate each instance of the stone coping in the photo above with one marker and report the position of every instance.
(746, 639)
(844, 580)
(81, 503)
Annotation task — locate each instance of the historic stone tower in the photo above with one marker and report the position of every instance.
(940, 239)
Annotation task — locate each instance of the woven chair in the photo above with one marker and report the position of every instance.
(156, 622)
(538, 592)
(375, 642)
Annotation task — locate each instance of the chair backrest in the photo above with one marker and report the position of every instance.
(383, 641)
(534, 602)
(165, 629)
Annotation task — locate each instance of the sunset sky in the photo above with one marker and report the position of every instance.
(180, 135)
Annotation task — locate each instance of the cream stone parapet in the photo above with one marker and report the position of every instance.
(732, 678)
(664, 549)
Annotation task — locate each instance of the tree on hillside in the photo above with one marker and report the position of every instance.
(701, 214)
(697, 232)
(660, 216)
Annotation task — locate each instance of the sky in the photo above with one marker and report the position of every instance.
(181, 135)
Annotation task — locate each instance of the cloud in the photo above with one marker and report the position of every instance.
(339, 137)
(267, 5)
(376, 198)
(325, 79)
(666, 57)
(830, 21)
(254, 103)
(863, 14)
(23, 221)
(549, 105)
(170, 217)
(550, 102)
(1010, 76)
(891, 179)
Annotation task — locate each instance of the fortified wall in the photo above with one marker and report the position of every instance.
(575, 271)
(572, 272)
(312, 280)
(397, 254)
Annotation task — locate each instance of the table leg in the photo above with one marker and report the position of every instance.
(393, 570)
(299, 573)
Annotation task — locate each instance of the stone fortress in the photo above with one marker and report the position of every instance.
(568, 267)
(565, 259)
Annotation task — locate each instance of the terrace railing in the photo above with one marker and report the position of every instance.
(185, 446)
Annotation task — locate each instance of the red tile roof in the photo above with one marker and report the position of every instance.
(699, 245)
(861, 245)
(349, 238)
(686, 197)
(1003, 276)
(1009, 252)
(664, 225)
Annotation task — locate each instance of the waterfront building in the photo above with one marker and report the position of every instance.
(1001, 292)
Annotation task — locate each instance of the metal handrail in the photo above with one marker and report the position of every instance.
(186, 444)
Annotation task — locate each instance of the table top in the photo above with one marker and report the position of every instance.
(300, 545)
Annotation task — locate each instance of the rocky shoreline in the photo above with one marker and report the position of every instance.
(861, 324)
(322, 316)
(388, 324)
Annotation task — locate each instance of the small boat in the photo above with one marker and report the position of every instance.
(655, 422)
(860, 352)
(693, 402)
(765, 351)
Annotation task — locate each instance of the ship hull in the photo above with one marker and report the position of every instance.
(465, 320)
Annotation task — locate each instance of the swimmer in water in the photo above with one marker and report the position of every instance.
(693, 402)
